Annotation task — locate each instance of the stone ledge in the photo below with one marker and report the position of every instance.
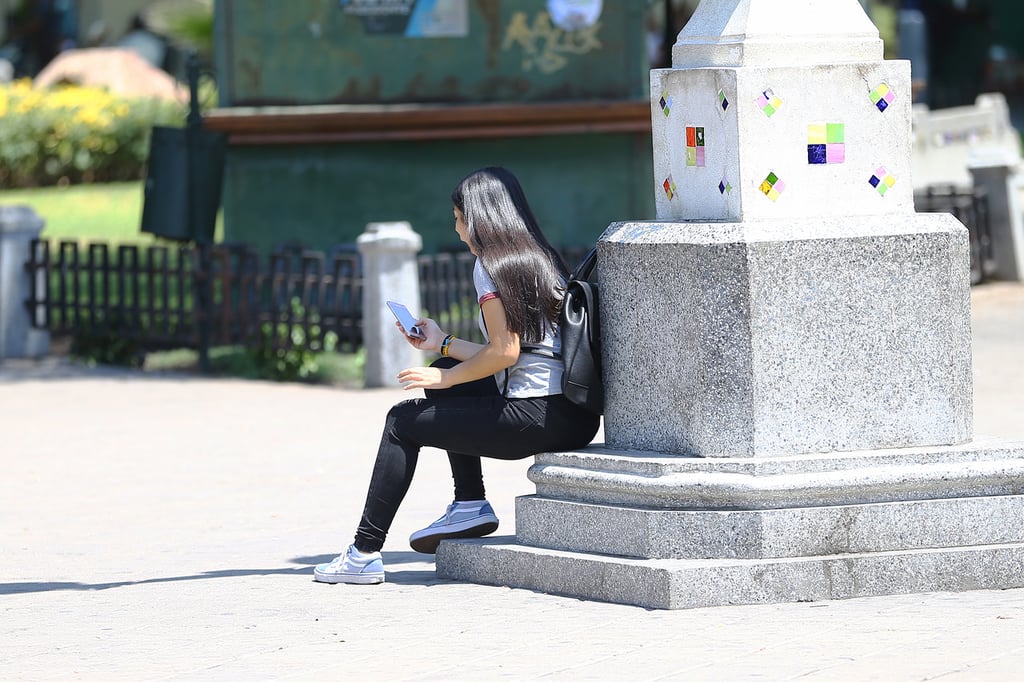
(764, 534)
(604, 476)
(682, 584)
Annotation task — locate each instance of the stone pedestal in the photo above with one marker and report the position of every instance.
(390, 273)
(784, 337)
(788, 418)
(786, 351)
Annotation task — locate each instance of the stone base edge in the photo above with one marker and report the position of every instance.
(600, 475)
(684, 584)
(769, 533)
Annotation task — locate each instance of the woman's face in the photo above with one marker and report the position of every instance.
(461, 228)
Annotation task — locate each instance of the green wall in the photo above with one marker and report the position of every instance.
(319, 196)
(316, 52)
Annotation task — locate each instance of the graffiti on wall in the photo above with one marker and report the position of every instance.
(546, 47)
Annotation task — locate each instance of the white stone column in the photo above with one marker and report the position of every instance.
(19, 225)
(787, 350)
(388, 252)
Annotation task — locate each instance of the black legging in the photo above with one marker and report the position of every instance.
(470, 421)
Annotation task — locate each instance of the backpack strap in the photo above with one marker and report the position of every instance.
(537, 350)
(585, 269)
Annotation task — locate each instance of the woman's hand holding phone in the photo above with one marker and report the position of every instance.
(423, 333)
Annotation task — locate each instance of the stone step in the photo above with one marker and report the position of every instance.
(696, 583)
(647, 533)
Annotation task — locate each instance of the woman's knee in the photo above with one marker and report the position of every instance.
(444, 363)
(400, 415)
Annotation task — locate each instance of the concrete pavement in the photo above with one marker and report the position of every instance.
(165, 527)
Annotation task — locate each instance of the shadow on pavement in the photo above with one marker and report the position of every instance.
(419, 576)
(23, 588)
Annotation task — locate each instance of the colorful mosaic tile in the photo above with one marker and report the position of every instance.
(769, 103)
(666, 102)
(826, 143)
(670, 187)
(882, 97)
(773, 186)
(695, 146)
(723, 101)
(725, 187)
(882, 180)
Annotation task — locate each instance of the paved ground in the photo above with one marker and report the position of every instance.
(164, 527)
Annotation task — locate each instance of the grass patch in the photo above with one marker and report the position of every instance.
(86, 212)
(97, 212)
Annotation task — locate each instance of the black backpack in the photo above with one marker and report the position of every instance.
(581, 338)
(580, 328)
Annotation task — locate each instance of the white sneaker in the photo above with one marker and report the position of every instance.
(473, 519)
(352, 567)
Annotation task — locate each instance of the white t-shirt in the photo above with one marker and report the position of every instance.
(533, 375)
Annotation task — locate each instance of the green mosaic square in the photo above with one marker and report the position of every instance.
(836, 133)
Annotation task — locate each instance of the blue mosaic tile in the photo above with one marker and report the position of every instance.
(817, 153)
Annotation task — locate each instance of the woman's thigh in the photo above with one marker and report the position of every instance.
(482, 426)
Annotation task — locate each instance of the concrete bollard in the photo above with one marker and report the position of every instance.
(19, 225)
(389, 274)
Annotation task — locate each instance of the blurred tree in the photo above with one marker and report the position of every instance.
(189, 23)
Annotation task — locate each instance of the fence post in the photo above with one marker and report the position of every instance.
(389, 273)
(19, 225)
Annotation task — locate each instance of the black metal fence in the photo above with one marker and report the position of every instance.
(187, 296)
(162, 296)
(970, 206)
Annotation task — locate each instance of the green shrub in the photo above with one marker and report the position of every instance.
(333, 368)
(286, 353)
(76, 134)
(106, 347)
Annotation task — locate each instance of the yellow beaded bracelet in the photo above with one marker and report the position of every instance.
(446, 343)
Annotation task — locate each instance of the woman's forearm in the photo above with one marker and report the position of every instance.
(462, 350)
(478, 360)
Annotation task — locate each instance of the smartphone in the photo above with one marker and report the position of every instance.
(405, 319)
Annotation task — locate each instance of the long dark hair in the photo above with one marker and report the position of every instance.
(504, 234)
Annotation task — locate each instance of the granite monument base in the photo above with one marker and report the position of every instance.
(669, 532)
(788, 418)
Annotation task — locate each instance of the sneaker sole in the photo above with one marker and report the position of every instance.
(427, 544)
(370, 579)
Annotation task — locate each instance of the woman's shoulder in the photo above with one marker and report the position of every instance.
(481, 280)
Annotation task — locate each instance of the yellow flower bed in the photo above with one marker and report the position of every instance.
(76, 134)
